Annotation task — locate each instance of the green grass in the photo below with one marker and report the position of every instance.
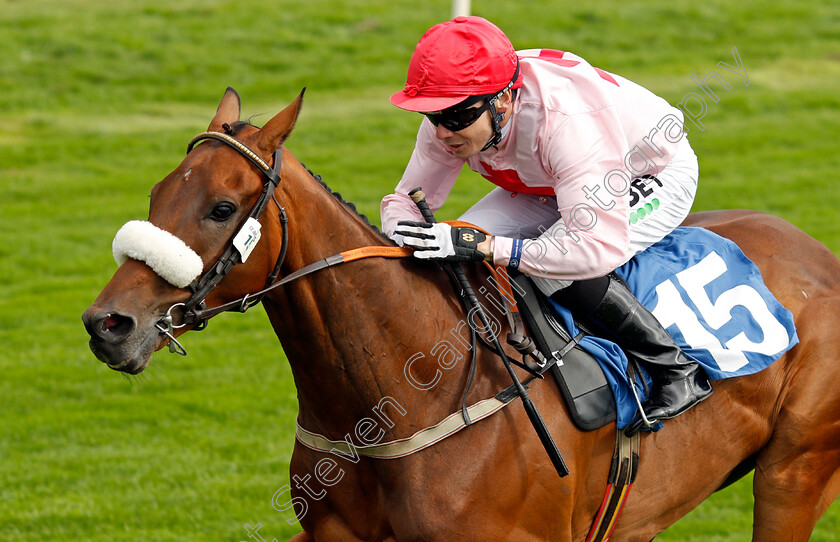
(98, 100)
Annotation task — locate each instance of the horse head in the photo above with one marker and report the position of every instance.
(194, 214)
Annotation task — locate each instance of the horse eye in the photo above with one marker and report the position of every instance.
(222, 211)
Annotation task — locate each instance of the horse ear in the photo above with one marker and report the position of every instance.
(228, 111)
(275, 131)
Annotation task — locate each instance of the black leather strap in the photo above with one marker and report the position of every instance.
(230, 257)
(197, 315)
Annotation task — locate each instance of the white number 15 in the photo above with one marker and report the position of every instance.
(672, 310)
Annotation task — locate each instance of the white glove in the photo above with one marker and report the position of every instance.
(441, 241)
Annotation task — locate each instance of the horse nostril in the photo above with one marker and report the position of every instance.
(113, 323)
(111, 327)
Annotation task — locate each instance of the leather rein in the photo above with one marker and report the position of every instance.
(194, 310)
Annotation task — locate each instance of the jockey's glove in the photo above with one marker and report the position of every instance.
(441, 241)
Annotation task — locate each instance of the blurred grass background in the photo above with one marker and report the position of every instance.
(97, 101)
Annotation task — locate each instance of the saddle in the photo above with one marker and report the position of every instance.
(579, 376)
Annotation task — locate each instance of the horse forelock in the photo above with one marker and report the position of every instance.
(238, 126)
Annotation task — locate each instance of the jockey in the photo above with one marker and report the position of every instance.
(590, 169)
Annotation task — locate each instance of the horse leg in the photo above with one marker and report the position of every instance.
(797, 474)
(791, 495)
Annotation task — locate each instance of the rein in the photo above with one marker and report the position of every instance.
(195, 312)
(244, 303)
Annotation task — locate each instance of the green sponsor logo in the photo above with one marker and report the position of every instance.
(645, 210)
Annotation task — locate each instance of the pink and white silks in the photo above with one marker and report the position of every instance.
(591, 169)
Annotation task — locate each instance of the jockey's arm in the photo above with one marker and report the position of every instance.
(429, 168)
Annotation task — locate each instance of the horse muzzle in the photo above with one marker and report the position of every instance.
(117, 340)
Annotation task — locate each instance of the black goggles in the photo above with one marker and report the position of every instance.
(461, 116)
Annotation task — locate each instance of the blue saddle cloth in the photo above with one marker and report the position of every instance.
(711, 298)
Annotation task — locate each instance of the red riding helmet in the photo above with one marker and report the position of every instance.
(467, 56)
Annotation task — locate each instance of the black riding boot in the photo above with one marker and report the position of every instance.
(679, 383)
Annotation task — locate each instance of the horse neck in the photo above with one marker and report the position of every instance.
(320, 223)
(349, 331)
(323, 320)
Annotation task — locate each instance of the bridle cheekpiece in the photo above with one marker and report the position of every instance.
(238, 249)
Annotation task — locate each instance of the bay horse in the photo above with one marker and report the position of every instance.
(349, 330)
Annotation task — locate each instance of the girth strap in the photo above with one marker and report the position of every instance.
(625, 464)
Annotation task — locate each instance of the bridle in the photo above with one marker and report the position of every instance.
(194, 311)
(238, 249)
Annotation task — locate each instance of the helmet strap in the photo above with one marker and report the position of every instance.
(495, 117)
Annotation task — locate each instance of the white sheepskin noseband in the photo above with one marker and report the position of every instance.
(167, 255)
